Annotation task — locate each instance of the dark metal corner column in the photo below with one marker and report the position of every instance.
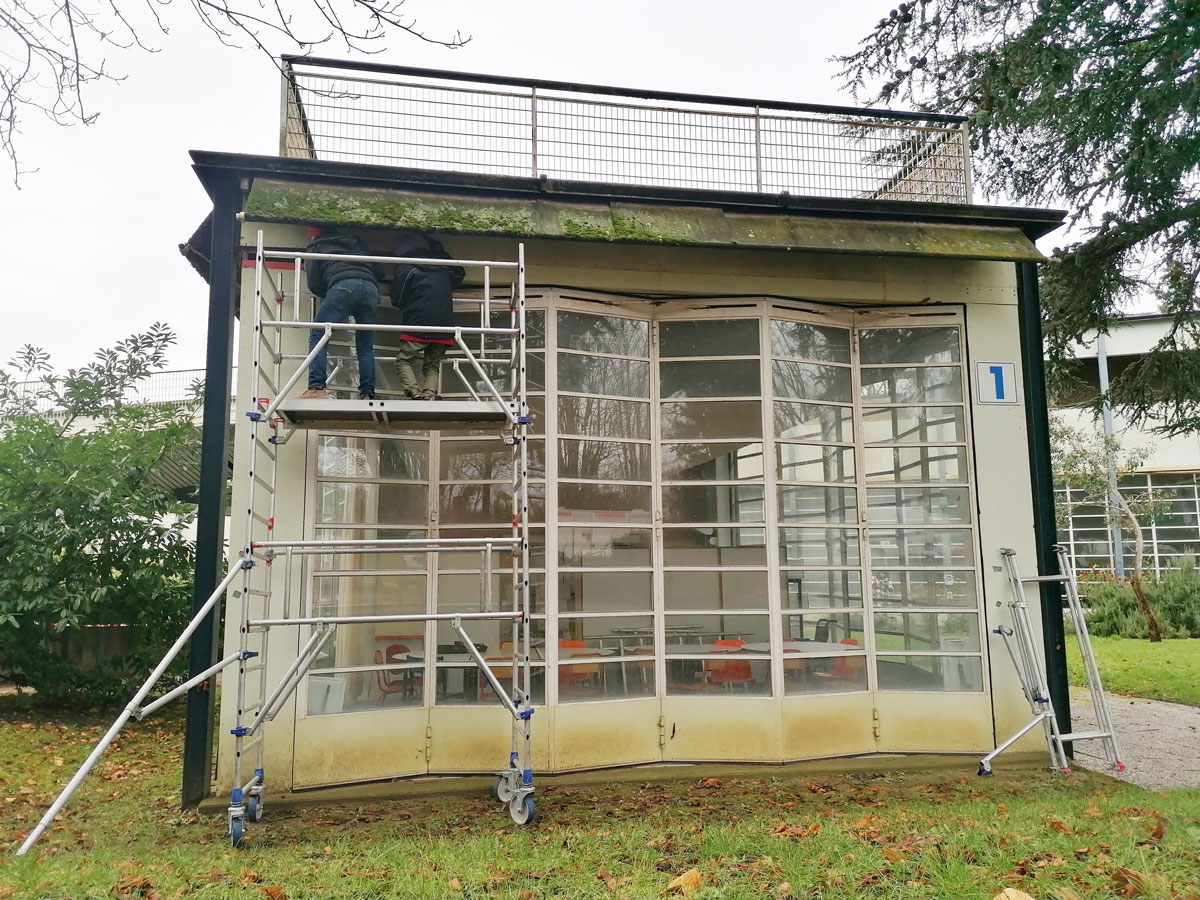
(1037, 419)
(210, 519)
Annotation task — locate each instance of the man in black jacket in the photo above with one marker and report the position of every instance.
(425, 296)
(346, 288)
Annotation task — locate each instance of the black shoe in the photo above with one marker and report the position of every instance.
(366, 396)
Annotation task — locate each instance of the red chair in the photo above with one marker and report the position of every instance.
(383, 680)
(413, 679)
(846, 670)
(578, 678)
(728, 672)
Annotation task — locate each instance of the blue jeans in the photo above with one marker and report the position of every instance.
(355, 297)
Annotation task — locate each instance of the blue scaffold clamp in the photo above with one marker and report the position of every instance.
(240, 731)
(237, 796)
(273, 439)
(254, 416)
(524, 420)
(249, 654)
(526, 714)
(248, 564)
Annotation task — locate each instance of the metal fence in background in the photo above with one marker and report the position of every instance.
(174, 386)
(454, 121)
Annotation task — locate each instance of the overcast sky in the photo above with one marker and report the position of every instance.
(88, 245)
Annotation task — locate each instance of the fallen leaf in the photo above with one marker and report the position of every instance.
(249, 877)
(710, 783)
(1012, 894)
(687, 883)
(1094, 812)
(526, 894)
(783, 829)
(274, 892)
(784, 890)
(1061, 826)
(133, 886)
(6, 892)
(455, 884)
(892, 855)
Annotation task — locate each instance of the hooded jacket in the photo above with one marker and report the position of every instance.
(325, 273)
(424, 294)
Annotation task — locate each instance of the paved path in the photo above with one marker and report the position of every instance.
(1160, 742)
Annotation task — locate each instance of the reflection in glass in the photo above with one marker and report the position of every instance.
(909, 345)
(811, 422)
(711, 420)
(487, 504)
(463, 592)
(603, 375)
(712, 462)
(486, 460)
(371, 504)
(597, 501)
(708, 337)
(603, 460)
(466, 686)
(603, 592)
(824, 633)
(807, 674)
(921, 547)
(611, 547)
(815, 505)
(815, 462)
(705, 546)
(362, 457)
(730, 633)
(800, 340)
(927, 464)
(914, 424)
(933, 384)
(820, 589)
(809, 381)
(930, 673)
(354, 562)
(918, 506)
(596, 678)
(928, 588)
(926, 631)
(603, 334)
(719, 503)
(715, 590)
(710, 378)
(616, 634)
(596, 417)
(818, 547)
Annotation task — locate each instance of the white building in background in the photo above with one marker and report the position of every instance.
(1171, 470)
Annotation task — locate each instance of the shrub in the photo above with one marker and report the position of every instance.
(1174, 596)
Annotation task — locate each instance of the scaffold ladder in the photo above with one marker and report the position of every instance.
(1019, 639)
(255, 590)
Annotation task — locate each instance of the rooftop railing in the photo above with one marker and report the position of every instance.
(174, 386)
(464, 122)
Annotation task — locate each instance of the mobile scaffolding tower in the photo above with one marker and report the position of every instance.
(273, 420)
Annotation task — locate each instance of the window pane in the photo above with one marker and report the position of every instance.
(815, 462)
(926, 631)
(935, 384)
(486, 460)
(603, 418)
(918, 506)
(486, 504)
(469, 561)
(454, 383)
(824, 633)
(809, 422)
(721, 676)
(700, 420)
(603, 375)
(602, 592)
(466, 686)
(608, 503)
(815, 505)
(714, 547)
(921, 547)
(808, 381)
(715, 590)
(816, 589)
(391, 504)
(818, 547)
(596, 679)
(359, 457)
(603, 460)
(740, 634)
(923, 589)
(914, 425)
(710, 378)
(615, 634)
(804, 674)
(909, 345)
(603, 334)
(800, 340)
(723, 503)
(463, 592)
(356, 562)
(725, 337)
(604, 547)
(930, 673)
(928, 464)
(712, 462)
(351, 595)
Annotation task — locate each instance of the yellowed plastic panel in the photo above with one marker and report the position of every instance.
(478, 738)
(363, 746)
(722, 728)
(614, 733)
(934, 723)
(824, 725)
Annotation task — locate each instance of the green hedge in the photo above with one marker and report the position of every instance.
(1174, 596)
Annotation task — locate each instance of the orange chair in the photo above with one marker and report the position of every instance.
(845, 669)
(579, 678)
(382, 679)
(645, 668)
(728, 672)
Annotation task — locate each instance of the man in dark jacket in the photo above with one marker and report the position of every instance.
(346, 288)
(424, 295)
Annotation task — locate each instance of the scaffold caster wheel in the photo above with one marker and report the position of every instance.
(984, 769)
(254, 808)
(501, 789)
(236, 827)
(522, 809)
(1119, 766)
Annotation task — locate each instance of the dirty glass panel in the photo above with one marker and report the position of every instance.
(466, 685)
(909, 345)
(928, 588)
(463, 592)
(604, 592)
(812, 422)
(599, 679)
(820, 589)
(921, 547)
(711, 420)
(603, 460)
(818, 547)
(603, 334)
(712, 462)
(927, 464)
(931, 384)
(809, 381)
(710, 378)
(703, 546)
(930, 673)
(918, 506)
(810, 674)
(373, 504)
(596, 417)
(799, 340)
(815, 462)
(603, 375)
(926, 631)
(824, 633)
(486, 460)
(609, 547)
(719, 676)
(361, 457)
(724, 337)
(448, 560)
(487, 504)
(589, 502)
(807, 505)
(914, 425)
(367, 594)
(354, 562)
(715, 590)
(719, 503)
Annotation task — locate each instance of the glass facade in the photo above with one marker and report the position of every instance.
(739, 498)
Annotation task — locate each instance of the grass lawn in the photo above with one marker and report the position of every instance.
(931, 836)
(1168, 670)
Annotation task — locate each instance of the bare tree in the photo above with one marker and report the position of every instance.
(52, 53)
